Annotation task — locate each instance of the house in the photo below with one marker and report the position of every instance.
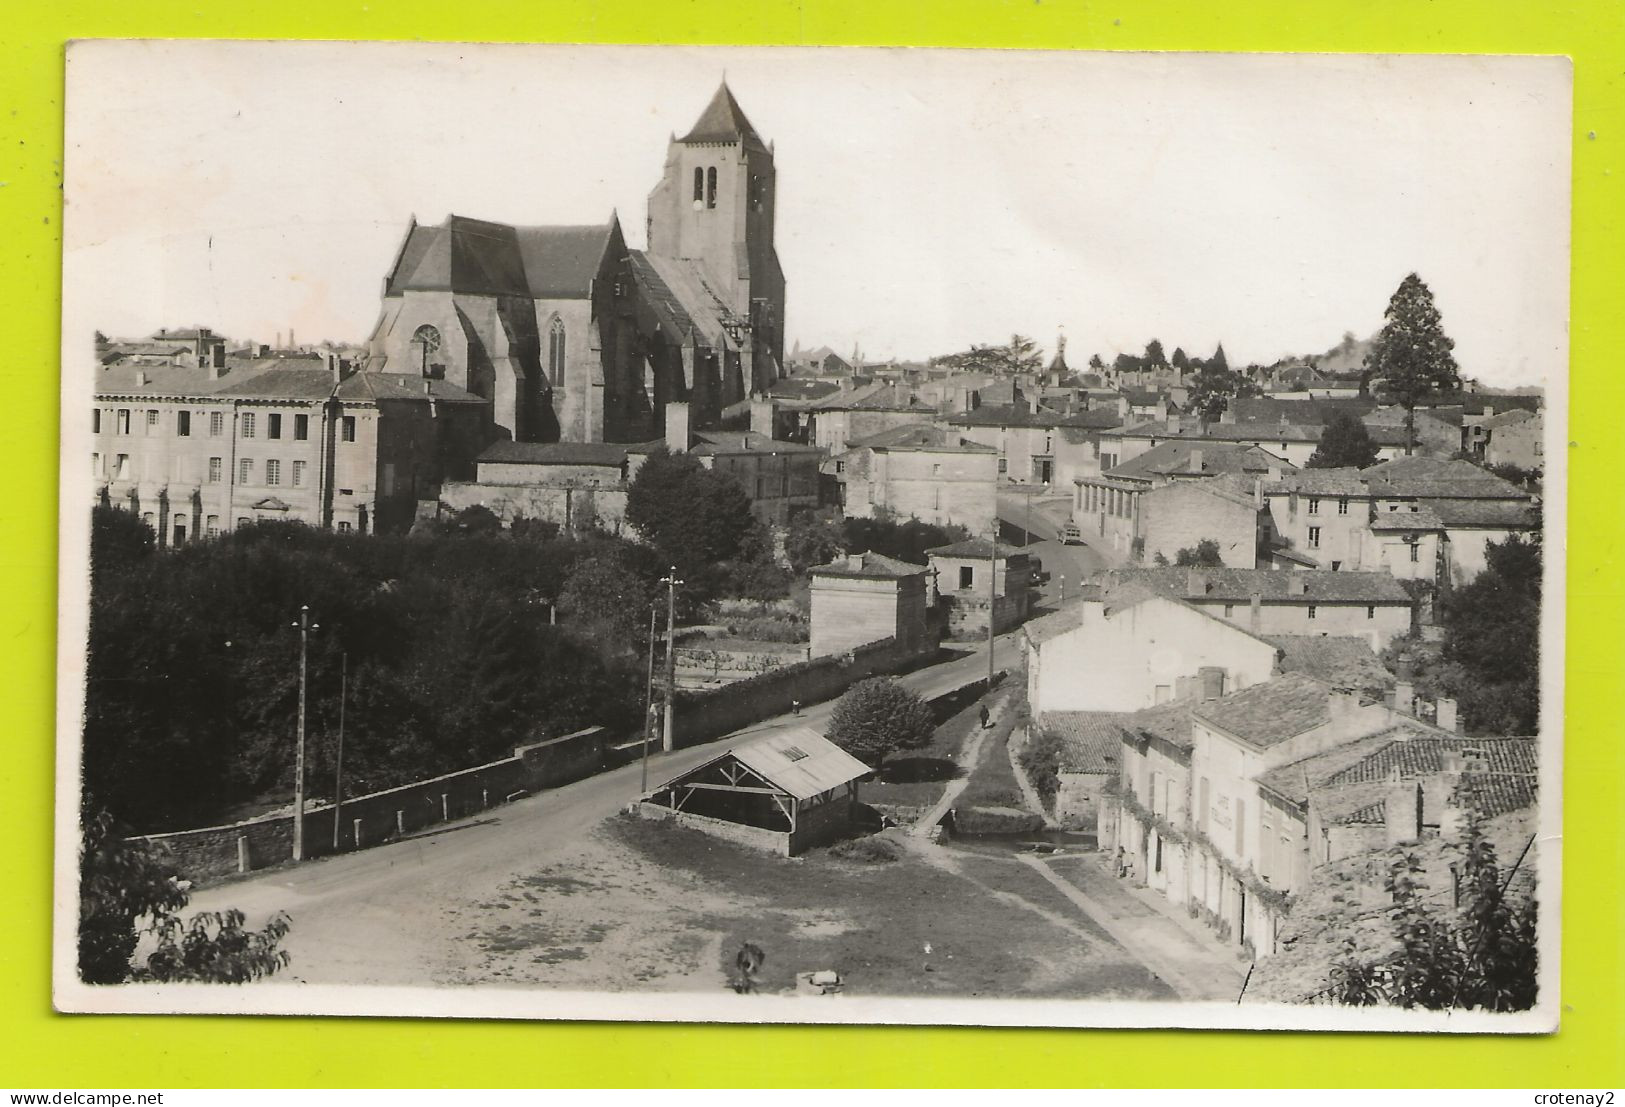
(1041, 446)
(778, 477)
(1474, 507)
(851, 415)
(198, 450)
(923, 472)
(785, 792)
(574, 485)
(1087, 769)
(1515, 438)
(1129, 648)
(1228, 510)
(1344, 663)
(867, 597)
(960, 580)
(1370, 605)
(1109, 506)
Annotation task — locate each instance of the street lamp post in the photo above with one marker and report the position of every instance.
(992, 599)
(338, 761)
(305, 627)
(668, 736)
(648, 703)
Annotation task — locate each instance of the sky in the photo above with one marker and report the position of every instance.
(927, 200)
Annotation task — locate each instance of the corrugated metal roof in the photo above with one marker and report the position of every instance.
(801, 761)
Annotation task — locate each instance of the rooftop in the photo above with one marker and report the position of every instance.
(1345, 662)
(1175, 458)
(920, 436)
(869, 566)
(1091, 741)
(1268, 714)
(608, 454)
(977, 549)
(1273, 586)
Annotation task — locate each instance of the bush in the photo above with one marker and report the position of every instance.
(869, 851)
(770, 628)
(879, 716)
(1041, 760)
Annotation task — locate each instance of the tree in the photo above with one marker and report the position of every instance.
(1019, 355)
(1411, 354)
(1491, 650)
(1204, 554)
(1096, 364)
(694, 517)
(1218, 360)
(813, 538)
(1154, 358)
(476, 519)
(1344, 443)
(123, 884)
(879, 716)
(1180, 360)
(906, 541)
(611, 596)
(1483, 956)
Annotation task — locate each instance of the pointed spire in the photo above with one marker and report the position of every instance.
(723, 120)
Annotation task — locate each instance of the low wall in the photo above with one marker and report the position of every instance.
(211, 852)
(701, 664)
(603, 507)
(702, 716)
(774, 841)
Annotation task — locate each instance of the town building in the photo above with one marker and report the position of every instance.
(921, 472)
(576, 486)
(569, 335)
(1295, 443)
(961, 585)
(1041, 447)
(198, 450)
(1228, 510)
(1515, 438)
(780, 478)
(867, 597)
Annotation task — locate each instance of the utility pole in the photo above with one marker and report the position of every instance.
(668, 738)
(992, 598)
(648, 703)
(305, 627)
(338, 762)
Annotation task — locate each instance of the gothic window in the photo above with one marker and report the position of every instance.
(555, 352)
(699, 184)
(711, 187)
(427, 339)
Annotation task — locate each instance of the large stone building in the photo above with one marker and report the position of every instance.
(571, 336)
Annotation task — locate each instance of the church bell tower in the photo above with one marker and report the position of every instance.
(714, 208)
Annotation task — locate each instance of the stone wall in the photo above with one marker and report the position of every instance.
(702, 716)
(211, 852)
(703, 665)
(601, 507)
(774, 841)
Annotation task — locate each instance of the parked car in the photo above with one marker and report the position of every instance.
(1040, 575)
(1072, 535)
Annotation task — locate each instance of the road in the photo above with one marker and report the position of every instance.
(378, 916)
(1034, 521)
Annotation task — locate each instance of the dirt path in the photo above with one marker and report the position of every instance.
(969, 758)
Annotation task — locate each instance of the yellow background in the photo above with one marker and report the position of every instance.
(40, 1049)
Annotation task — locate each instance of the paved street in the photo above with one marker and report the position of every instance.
(1034, 522)
(371, 917)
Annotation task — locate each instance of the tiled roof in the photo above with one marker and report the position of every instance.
(1349, 782)
(920, 436)
(282, 384)
(677, 292)
(1091, 741)
(1416, 752)
(463, 255)
(1269, 713)
(1174, 458)
(1056, 623)
(802, 388)
(1510, 418)
(1171, 722)
(403, 386)
(1320, 482)
(1418, 468)
(1237, 585)
(1482, 513)
(1007, 415)
(1423, 518)
(746, 442)
(978, 548)
(869, 566)
(1298, 780)
(1267, 409)
(1344, 662)
(608, 454)
(1237, 488)
(160, 380)
(561, 262)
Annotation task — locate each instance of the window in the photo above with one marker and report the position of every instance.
(1004, 466)
(217, 424)
(95, 465)
(273, 426)
(840, 466)
(152, 420)
(1336, 565)
(298, 474)
(245, 471)
(95, 420)
(967, 576)
(711, 187)
(123, 420)
(211, 525)
(248, 424)
(1370, 611)
(1342, 505)
(273, 471)
(183, 424)
(555, 351)
(214, 470)
(1416, 552)
(347, 428)
(301, 427)
(699, 186)
(936, 469)
(243, 521)
(1314, 538)
(1311, 611)
(344, 527)
(1241, 827)
(1314, 505)
(1229, 610)
(121, 467)
(1201, 800)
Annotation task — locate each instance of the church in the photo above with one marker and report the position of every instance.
(572, 337)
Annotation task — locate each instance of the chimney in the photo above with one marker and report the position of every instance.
(677, 433)
(1196, 583)
(1211, 678)
(1196, 461)
(1255, 612)
(1274, 472)
(140, 377)
(1258, 492)
(1402, 811)
(1405, 697)
(854, 561)
(218, 355)
(1446, 719)
(761, 417)
(265, 351)
(291, 346)
(1297, 584)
